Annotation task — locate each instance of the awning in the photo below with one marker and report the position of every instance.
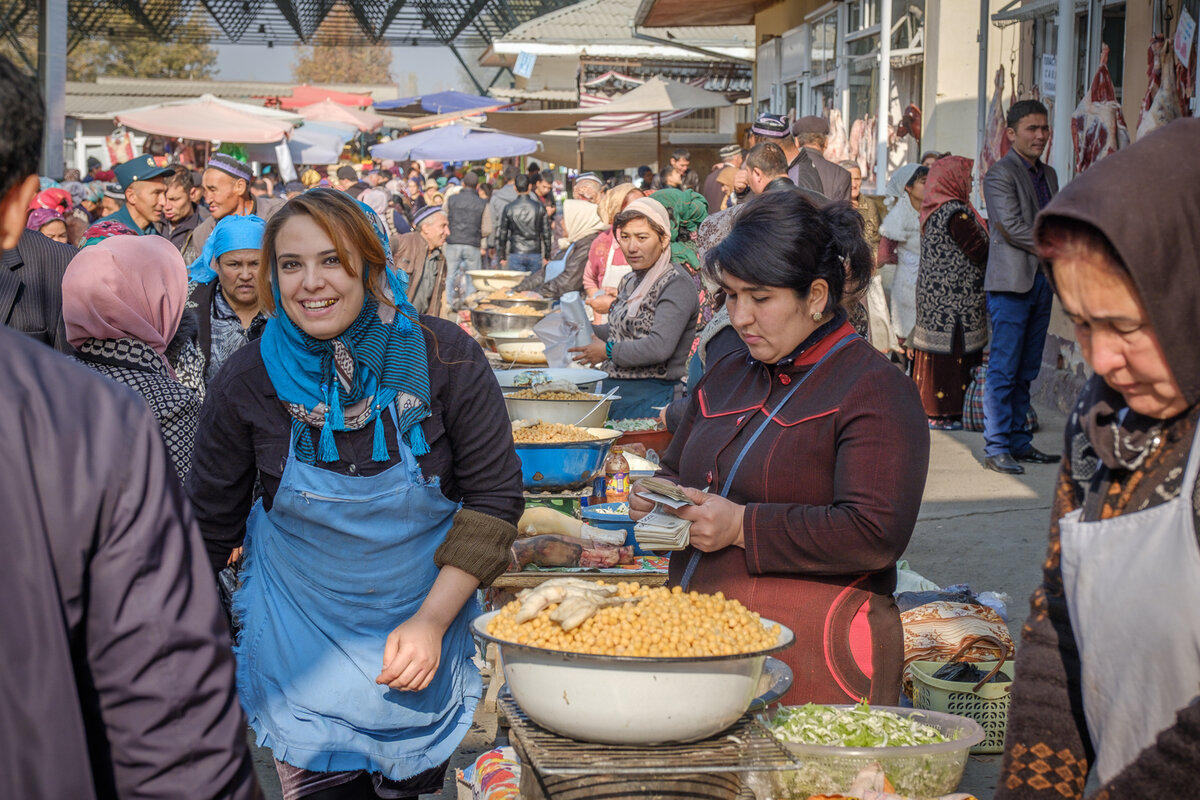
(330, 111)
(1031, 10)
(457, 142)
(208, 118)
(655, 96)
(305, 148)
(683, 13)
(305, 95)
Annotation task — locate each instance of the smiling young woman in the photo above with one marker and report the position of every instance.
(1121, 582)
(390, 488)
(807, 460)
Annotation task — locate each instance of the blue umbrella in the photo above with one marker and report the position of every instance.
(455, 143)
(442, 102)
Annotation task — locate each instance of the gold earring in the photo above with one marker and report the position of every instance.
(817, 315)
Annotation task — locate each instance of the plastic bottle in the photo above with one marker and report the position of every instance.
(616, 477)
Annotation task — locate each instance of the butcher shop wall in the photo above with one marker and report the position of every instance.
(1121, 79)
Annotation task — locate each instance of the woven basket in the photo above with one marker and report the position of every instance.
(986, 703)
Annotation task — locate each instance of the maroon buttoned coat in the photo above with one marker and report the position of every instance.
(831, 488)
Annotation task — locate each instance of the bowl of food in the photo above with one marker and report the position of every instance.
(558, 458)
(648, 432)
(583, 378)
(567, 408)
(922, 753)
(519, 349)
(509, 321)
(502, 299)
(626, 674)
(488, 280)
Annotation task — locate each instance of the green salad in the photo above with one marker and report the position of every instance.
(860, 726)
(833, 772)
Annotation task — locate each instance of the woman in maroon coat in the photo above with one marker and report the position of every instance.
(806, 457)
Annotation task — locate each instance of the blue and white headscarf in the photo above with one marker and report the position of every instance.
(231, 233)
(374, 361)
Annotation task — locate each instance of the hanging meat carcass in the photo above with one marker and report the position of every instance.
(859, 141)
(837, 145)
(1161, 104)
(1098, 126)
(995, 138)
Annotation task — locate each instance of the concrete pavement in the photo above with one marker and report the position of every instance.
(975, 526)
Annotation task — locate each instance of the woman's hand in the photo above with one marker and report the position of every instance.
(638, 505)
(412, 654)
(601, 302)
(593, 353)
(716, 522)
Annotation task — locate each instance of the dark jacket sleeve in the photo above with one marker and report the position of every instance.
(221, 483)
(157, 645)
(877, 491)
(502, 233)
(1004, 208)
(571, 278)
(486, 469)
(970, 237)
(677, 307)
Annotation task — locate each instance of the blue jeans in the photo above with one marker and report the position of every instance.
(1019, 325)
(459, 259)
(525, 262)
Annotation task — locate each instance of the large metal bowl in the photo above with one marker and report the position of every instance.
(489, 323)
(585, 379)
(563, 466)
(566, 412)
(540, 303)
(521, 351)
(630, 700)
(489, 280)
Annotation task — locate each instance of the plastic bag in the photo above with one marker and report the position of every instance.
(966, 672)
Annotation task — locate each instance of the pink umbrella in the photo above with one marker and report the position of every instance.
(304, 95)
(329, 111)
(208, 118)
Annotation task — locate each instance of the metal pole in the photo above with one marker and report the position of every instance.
(1062, 154)
(658, 142)
(52, 74)
(982, 98)
(885, 94)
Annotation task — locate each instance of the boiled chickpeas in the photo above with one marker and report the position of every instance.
(662, 623)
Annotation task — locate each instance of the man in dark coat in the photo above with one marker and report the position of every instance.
(118, 678)
(774, 128)
(811, 134)
(31, 288)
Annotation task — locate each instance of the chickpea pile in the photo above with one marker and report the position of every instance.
(665, 623)
(550, 432)
(530, 394)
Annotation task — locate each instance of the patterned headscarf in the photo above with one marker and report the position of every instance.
(362, 371)
(949, 179)
(687, 209)
(42, 216)
(104, 229)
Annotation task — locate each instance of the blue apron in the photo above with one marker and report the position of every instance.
(336, 564)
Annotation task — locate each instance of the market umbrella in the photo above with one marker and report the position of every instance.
(655, 96)
(208, 118)
(305, 95)
(329, 111)
(443, 102)
(455, 143)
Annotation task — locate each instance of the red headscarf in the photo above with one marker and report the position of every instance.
(949, 179)
(53, 197)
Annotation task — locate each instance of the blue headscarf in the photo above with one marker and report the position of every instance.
(231, 233)
(389, 364)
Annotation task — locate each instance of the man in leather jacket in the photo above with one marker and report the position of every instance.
(524, 237)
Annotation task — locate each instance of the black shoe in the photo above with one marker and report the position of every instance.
(1035, 456)
(1003, 463)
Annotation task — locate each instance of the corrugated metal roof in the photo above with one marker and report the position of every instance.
(99, 100)
(535, 94)
(608, 22)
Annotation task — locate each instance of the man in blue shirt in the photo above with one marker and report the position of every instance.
(145, 189)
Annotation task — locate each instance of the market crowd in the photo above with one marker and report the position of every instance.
(252, 374)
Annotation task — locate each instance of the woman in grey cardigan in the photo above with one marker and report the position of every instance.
(645, 344)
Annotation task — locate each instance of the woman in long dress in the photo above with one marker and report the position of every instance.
(900, 244)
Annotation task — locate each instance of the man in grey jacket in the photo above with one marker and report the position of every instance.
(1019, 299)
(227, 191)
(118, 678)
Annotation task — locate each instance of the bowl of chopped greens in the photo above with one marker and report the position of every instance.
(922, 753)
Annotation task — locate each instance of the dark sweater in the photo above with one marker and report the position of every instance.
(244, 434)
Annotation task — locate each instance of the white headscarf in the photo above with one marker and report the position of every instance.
(895, 185)
(581, 219)
(655, 211)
